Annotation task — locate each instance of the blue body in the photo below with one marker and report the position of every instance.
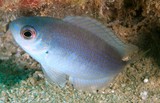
(70, 49)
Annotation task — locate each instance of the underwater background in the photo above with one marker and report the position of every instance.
(134, 21)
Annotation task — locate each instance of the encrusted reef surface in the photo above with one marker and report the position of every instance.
(134, 21)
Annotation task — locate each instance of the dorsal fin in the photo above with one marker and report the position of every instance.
(101, 31)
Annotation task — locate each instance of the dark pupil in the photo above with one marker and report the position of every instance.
(28, 34)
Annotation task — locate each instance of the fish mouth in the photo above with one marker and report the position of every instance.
(7, 26)
(9, 33)
(10, 37)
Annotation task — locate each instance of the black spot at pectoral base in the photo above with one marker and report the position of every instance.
(97, 90)
(47, 52)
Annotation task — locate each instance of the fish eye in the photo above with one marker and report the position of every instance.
(28, 32)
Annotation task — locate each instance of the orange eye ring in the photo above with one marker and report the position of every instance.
(28, 32)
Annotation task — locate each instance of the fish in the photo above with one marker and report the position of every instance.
(77, 49)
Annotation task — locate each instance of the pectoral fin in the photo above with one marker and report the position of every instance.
(54, 76)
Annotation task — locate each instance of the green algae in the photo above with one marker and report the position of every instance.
(11, 73)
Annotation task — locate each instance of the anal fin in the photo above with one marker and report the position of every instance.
(89, 85)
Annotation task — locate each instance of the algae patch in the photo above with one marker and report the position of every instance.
(11, 73)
